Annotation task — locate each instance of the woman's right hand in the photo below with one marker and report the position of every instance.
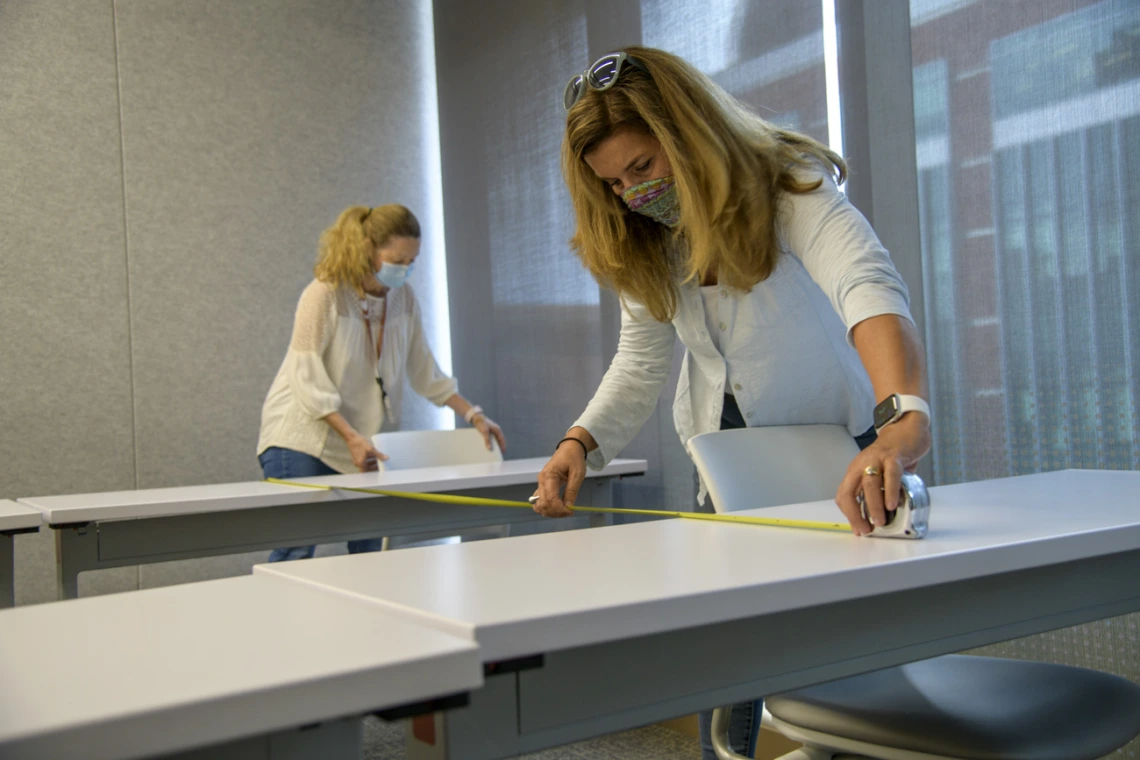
(364, 455)
(567, 467)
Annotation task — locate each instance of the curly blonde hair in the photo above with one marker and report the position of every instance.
(344, 256)
(730, 167)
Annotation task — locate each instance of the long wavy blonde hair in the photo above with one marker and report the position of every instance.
(344, 256)
(730, 166)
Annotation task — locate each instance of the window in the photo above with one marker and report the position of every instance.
(1028, 123)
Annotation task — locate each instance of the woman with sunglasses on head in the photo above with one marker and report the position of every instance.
(718, 228)
(357, 334)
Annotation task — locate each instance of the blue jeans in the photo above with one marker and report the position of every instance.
(744, 725)
(287, 463)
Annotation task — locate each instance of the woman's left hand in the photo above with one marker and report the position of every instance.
(488, 427)
(877, 471)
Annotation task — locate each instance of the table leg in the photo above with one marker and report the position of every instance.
(76, 549)
(486, 728)
(7, 571)
(603, 496)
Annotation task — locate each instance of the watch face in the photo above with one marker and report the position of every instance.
(886, 411)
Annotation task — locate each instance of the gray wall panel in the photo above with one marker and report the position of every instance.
(65, 396)
(247, 128)
(34, 567)
(65, 384)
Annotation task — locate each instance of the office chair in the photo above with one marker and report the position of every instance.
(954, 707)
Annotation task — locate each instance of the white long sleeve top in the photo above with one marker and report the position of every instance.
(330, 367)
(783, 349)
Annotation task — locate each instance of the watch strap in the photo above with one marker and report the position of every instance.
(901, 403)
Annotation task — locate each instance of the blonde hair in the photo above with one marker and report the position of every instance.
(344, 256)
(730, 167)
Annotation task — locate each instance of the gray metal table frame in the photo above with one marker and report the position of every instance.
(8, 565)
(602, 688)
(101, 544)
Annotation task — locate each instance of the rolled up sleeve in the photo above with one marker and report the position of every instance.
(842, 254)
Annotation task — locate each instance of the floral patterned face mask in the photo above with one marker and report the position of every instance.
(656, 199)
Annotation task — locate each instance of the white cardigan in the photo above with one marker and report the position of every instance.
(785, 350)
(328, 368)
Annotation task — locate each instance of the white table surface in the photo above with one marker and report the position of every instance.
(555, 591)
(15, 516)
(161, 502)
(129, 675)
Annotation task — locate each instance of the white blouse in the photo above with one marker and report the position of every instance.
(783, 349)
(710, 299)
(329, 368)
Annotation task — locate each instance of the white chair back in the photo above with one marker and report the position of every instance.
(409, 449)
(758, 467)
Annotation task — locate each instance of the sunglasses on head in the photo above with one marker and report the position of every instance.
(601, 76)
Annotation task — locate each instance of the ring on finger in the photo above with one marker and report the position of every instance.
(871, 471)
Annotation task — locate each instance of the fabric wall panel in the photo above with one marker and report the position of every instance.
(65, 392)
(247, 127)
(66, 420)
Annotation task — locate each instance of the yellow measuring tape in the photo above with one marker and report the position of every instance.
(770, 522)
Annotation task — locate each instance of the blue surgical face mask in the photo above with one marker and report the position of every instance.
(393, 275)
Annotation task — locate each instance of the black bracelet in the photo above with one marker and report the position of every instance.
(585, 451)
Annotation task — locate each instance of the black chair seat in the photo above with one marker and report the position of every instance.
(975, 708)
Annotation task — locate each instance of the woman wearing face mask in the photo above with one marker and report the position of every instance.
(722, 230)
(356, 335)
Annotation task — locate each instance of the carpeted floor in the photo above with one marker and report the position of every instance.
(385, 741)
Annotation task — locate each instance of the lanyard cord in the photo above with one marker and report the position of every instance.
(378, 344)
